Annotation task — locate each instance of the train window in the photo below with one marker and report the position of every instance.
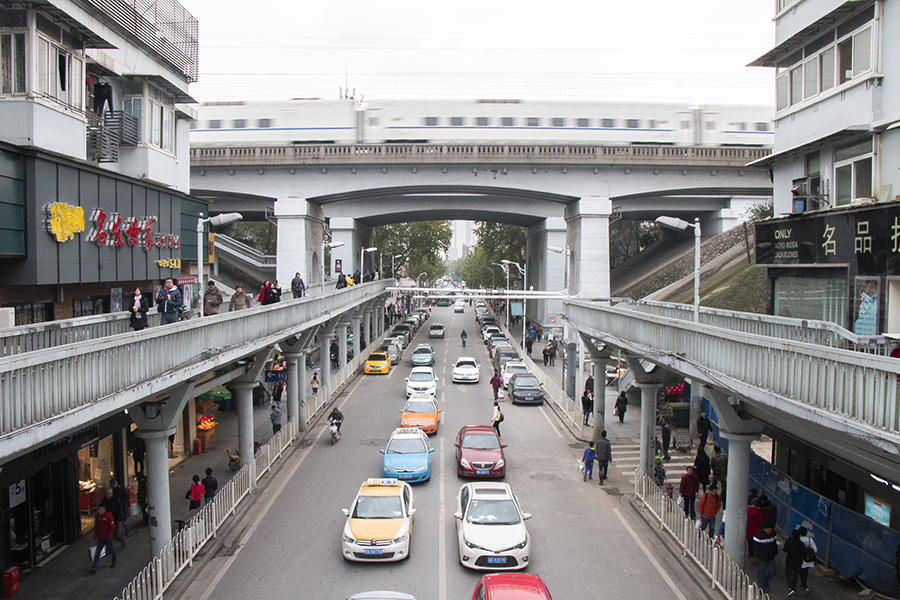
(710, 125)
(557, 122)
(685, 124)
(239, 123)
(584, 122)
(193, 124)
(633, 123)
(215, 124)
(482, 121)
(508, 121)
(652, 123)
(373, 121)
(456, 121)
(762, 126)
(609, 122)
(431, 121)
(264, 123)
(533, 121)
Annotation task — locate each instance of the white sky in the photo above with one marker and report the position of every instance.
(692, 51)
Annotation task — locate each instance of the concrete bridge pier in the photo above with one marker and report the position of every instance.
(300, 227)
(648, 425)
(325, 337)
(342, 344)
(367, 326)
(244, 403)
(546, 268)
(587, 238)
(355, 237)
(354, 327)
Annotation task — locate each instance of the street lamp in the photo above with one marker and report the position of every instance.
(419, 277)
(505, 270)
(215, 221)
(679, 225)
(568, 252)
(330, 245)
(393, 269)
(524, 289)
(362, 253)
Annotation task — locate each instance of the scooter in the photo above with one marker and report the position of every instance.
(234, 460)
(464, 342)
(334, 428)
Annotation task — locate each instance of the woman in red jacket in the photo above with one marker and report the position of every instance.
(708, 508)
(754, 522)
(195, 494)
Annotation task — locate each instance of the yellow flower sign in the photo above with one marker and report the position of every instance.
(64, 220)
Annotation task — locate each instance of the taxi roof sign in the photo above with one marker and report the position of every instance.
(382, 482)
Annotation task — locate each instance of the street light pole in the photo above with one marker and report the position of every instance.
(394, 269)
(524, 292)
(331, 245)
(679, 225)
(567, 252)
(222, 219)
(418, 285)
(362, 253)
(505, 270)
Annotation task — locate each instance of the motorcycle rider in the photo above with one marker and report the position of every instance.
(463, 336)
(337, 417)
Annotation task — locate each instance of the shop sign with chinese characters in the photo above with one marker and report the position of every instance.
(866, 239)
(64, 221)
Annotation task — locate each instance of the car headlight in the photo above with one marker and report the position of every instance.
(520, 546)
(500, 463)
(475, 546)
(422, 469)
(465, 463)
(389, 469)
(347, 539)
(401, 539)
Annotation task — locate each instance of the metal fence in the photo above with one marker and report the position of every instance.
(724, 574)
(40, 336)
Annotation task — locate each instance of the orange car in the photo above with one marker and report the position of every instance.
(421, 411)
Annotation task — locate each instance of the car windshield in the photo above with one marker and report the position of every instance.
(378, 356)
(378, 507)
(406, 446)
(436, 328)
(466, 363)
(422, 351)
(526, 382)
(493, 512)
(420, 407)
(481, 442)
(421, 377)
(513, 369)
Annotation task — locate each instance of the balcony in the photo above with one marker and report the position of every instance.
(105, 136)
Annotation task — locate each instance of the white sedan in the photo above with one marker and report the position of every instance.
(491, 527)
(466, 370)
(511, 368)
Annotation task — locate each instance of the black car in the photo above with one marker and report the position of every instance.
(404, 330)
(526, 389)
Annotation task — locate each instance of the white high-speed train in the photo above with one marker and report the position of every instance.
(314, 121)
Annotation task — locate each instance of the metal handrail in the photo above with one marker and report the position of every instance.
(39, 336)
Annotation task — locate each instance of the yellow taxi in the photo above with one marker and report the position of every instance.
(421, 411)
(380, 522)
(377, 362)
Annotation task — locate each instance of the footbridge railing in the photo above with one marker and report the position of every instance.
(47, 392)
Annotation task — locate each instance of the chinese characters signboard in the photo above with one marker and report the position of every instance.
(64, 221)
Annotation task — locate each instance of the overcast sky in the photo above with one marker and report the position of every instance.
(654, 50)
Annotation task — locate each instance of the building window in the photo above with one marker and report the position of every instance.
(609, 123)
(633, 123)
(583, 122)
(12, 63)
(239, 123)
(508, 121)
(456, 121)
(162, 120)
(835, 58)
(60, 74)
(131, 105)
(431, 121)
(482, 121)
(215, 124)
(811, 298)
(27, 314)
(853, 165)
(558, 122)
(533, 121)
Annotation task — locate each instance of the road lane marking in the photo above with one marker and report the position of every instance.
(552, 426)
(442, 549)
(650, 557)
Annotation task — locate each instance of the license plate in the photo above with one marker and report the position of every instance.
(373, 551)
(405, 476)
(493, 560)
(530, 398)
(482, 472)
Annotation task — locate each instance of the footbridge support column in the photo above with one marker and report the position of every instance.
(244, 399)
(354, 327)
(355, 237)
(367, 326)
(546, 268)
(587, 237)
(648, 425)
(300, 228)
(325, 338)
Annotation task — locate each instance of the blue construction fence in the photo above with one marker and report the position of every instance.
(850, 543)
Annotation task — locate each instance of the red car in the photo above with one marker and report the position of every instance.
(511, 586)
(479, 452)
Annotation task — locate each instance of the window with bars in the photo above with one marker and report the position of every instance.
(12, 63)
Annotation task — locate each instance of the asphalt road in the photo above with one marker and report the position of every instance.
(587, 541)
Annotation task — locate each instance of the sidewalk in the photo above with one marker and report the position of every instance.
(67, 574)
(625, 440)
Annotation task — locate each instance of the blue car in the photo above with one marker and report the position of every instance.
(407, 455)
(422, 356)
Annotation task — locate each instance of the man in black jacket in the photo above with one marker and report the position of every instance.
(210, 486)
(765, 549)
(112, 504)
(703, 428)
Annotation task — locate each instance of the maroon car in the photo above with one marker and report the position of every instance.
(479, 452)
